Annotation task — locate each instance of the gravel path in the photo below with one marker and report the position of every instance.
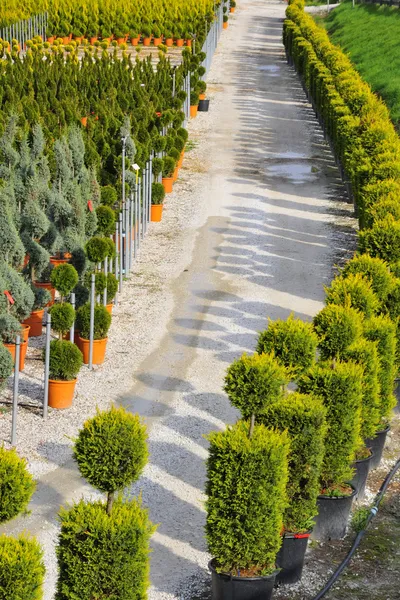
(252, 230)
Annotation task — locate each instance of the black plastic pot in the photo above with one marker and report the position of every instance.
(204, 105)
(377, 445)
(397, 394)
(359, 481)
(332, 518)
(227, 587)
(291, 556)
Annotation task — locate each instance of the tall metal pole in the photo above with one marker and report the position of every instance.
(91, 330)
(105, 273)
(47, 367)
(72, 330)
(121, 252)
(15, 394)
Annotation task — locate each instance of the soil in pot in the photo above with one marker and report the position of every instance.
(204, 105)
(99, 350)
(156, 212)
(359, 481)
(168, 183)
(290, 557)
(376, 445)
(227, 587)
(22, 355)
(61, 393)
(35, 322)
(333, 515)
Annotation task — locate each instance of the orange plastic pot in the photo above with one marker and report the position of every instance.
(93, 40)
(99, 350)
(202, 97)
(157, 41)
(109, 307)
(61, 393)
(120, 41)
(176, 172)
(78, 40)
(232, 9)
(193, 111)
(51, 39)
(22, 355)
(146, 41)
(189, 43)
(167, 183)
(134, 41)
(179, 43)
(66, 40)
(35, 321)
(47, 286)
(25, 331)
(84, 123)
(225, 25)
(169, 42)
(156, 212)
(55, 260)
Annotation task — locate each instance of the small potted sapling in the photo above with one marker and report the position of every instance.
(35, 320)
(10, 327)
(44, 282)
(168, 173)
(65, 364)
(102, 322)
(194, 103)
(112, 289)
(157, 199)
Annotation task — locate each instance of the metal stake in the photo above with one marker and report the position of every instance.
(91, 331)
(15, 395)
(47, 367)
(72, 330)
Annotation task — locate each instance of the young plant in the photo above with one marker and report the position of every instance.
(21, 568)
(65, 360)
(337, 328)
(64, 278)
(62, 318)
(102, 321)
(157, 194)
(375, 270)
(105, 220)
(112, 287)
(97, 248)
(355, 291)
(16, 485)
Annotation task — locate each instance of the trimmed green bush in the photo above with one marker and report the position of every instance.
(105, 220)
(382, 240)
(10, 327)
(293, 342)
(254, 382)
(375, 270)
(16, 485)
(102, 321)
(21, 568)
(158, 193)
(168, 166)
(355, 291)
(246, 496)
(112, 287)
(100, 282)
(337, 328)
(6, 365)
(108, 195)
(111, 250)
(304, 418)
(340, 387)
(64, 278)
(384, 208)
(111, 450)
(104, 555)
(383, 331)
(97, 248)
(65, 360)
(62, 317)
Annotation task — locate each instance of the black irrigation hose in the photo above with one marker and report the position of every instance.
(360, 535)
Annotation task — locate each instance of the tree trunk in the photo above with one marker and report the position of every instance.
(110, 500)
(252, 421)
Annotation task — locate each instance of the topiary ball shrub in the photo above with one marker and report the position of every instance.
(97, 248)
(111, 249)
(64, 278)
(157, 193)
(100, 282)
(65, 360)
(104, 555)
(168, 167)
(355, 291)
(16, 485)
(111, 450)
(21, 568)
(382, 240)
(304, 418)
(375, 270)
(337, 328)
(293, 342)
(246, 496)
(6, 365)
(105, 220)
(102, 321)
(62, 317)
(254, 382)
(112, 287)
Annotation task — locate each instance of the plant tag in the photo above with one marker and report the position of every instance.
(9, 297)
(90, 205)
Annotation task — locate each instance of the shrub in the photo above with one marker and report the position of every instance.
(65, 360)
(382, 209)
(111, 250)
(340, 387)
(16, 485)
(101, 555)
(108, 195)
(111, 450)
(97, 248)
(6, 365)
(157, 166)
(105, 220)
(21, 568)
(183, 133)
(10, 327)
(157, 193)
(64, 278)
(246, 495)
(100, 281)
(62, 317)
(355, 291)
(381, 330)
(254, 382)
(112, 287)
(102, 321)
(375, 270)
(79, 260)
(42, 298)
(382, 240)
(293, 342)
(168, 167)
(304, 418)
(337, 328)
(20, 290)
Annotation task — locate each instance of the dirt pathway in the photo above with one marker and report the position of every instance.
(272, 220)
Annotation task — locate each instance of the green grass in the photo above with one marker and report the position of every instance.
(370, 35)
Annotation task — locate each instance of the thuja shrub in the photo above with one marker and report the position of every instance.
(384, 208)
(246, 495)
(105, 220)
(254, 382)
(109, 195)
(304, 418)
(355, 291)
(104, 555)
(16, 484)
(64, 278)
(6, 365)
(382, 240)
(62, 317)
(65, 360)
(293, 342)
(102, 321)
(337, 328)
(340, 387)
(382, 330)
(97, 249)
(375, 270)
(21, 568)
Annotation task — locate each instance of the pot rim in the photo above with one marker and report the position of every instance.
(86, 340)
(297, 536)
(62, 381)
(354, 492)
(237, 577)
(361, 460)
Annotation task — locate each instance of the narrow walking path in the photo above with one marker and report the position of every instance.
(275, 221)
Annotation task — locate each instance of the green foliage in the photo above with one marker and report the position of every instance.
(382, 240)
(100, 282)
(246, 496)
(20, 290)
(375, 270)
(105, 220)
(304, 419)
(21, 568)
(65, 360)
(383, 331)
(104, 555)
(168, 166)
(42, 298)
(62, 317)
(108, 195)
(64, 278)
(254, 382)
(293, 342)
(340, 387)
(157, 193)
(112, 287)
(355, 291)
(111, 449)
(10, 327)
(16, 485)
(102, 321)
(97, 248)
(6, 366)
(337, 328)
